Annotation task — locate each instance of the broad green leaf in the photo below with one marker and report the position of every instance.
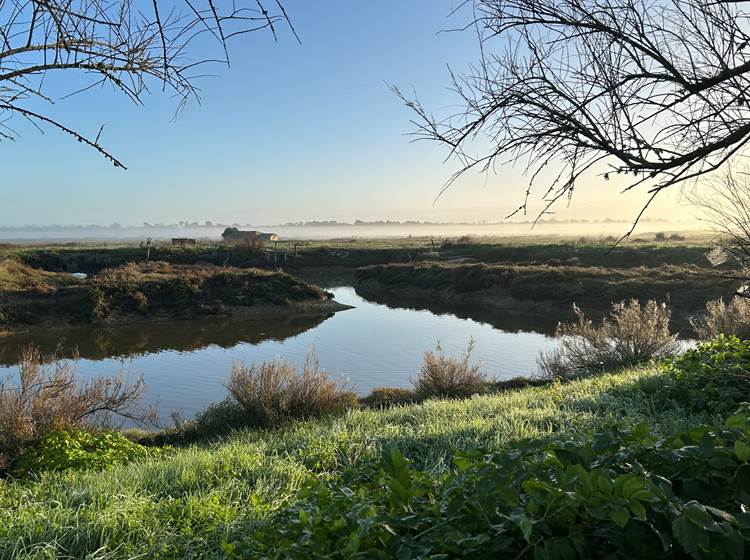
(619, 515)
(742, 450)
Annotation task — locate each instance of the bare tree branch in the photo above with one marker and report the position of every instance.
(656, 89)
(725, 207)
(120, 43)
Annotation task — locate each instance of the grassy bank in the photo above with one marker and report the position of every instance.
(202, 499)
(33, 297)
(686, 288)
(528, 277)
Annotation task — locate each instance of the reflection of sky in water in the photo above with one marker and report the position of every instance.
(372, 345)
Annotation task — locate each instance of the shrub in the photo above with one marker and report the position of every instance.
(617, 494)
(218, 417)
(632, 334)
(714, 376)
(384, 397)
(273, 392)
(731, 318)
(47, 396)
(78, 449)
(445, 377)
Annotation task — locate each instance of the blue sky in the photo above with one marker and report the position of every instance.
(289, 132)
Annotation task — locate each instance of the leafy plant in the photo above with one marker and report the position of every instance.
(621, 494)
(714, 376)
(79, 449)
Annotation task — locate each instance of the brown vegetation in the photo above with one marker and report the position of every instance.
(446, 377)
(274, 392)
(732, 318)
(632, 334)
(593, 288)
(140, 290)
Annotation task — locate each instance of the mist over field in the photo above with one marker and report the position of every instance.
(338, 230)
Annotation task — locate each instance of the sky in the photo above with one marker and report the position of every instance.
(289, 132)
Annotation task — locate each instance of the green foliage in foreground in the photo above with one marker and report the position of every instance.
(713, 376)
(188, 505)
(79, 449)
(616, 495)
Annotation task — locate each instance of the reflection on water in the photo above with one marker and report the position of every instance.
(521, 317)
(135, 340)
(186, 363)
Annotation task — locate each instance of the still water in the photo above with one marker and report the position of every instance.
(186, 363)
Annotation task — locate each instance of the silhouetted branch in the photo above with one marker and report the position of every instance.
(122, 43)
(658, 89)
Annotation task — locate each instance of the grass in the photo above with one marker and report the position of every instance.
(16, 276)
(354, 252)
(205, 495)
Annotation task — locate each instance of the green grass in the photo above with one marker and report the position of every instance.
(16, 276)
(187, 505)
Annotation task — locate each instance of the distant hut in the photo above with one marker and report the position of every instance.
(234, 235)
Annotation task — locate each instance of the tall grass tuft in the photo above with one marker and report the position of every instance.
(632, 334)
(445, 377)
(47, 396)
(274, 392)
(731, 318)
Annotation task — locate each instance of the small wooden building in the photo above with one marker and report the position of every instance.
(233, 234)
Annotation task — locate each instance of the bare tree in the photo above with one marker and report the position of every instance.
(724, 203)
(653, 88)
(130, 45)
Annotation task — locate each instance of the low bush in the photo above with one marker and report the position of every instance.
(47, 396)
(274, 392)
(444, 377)
(631, 335)
(219, 419)
(731, 318)
(618, 494)
(714, 376)
(79, 449)
(384, 397)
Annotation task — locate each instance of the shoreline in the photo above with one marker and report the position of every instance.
(264, 311)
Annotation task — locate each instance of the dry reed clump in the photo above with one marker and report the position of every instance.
(47, 396)
(731, 318)
(445, 377)
(274, 392)
(632, 334)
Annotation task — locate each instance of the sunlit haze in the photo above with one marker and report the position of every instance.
(290, 132)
